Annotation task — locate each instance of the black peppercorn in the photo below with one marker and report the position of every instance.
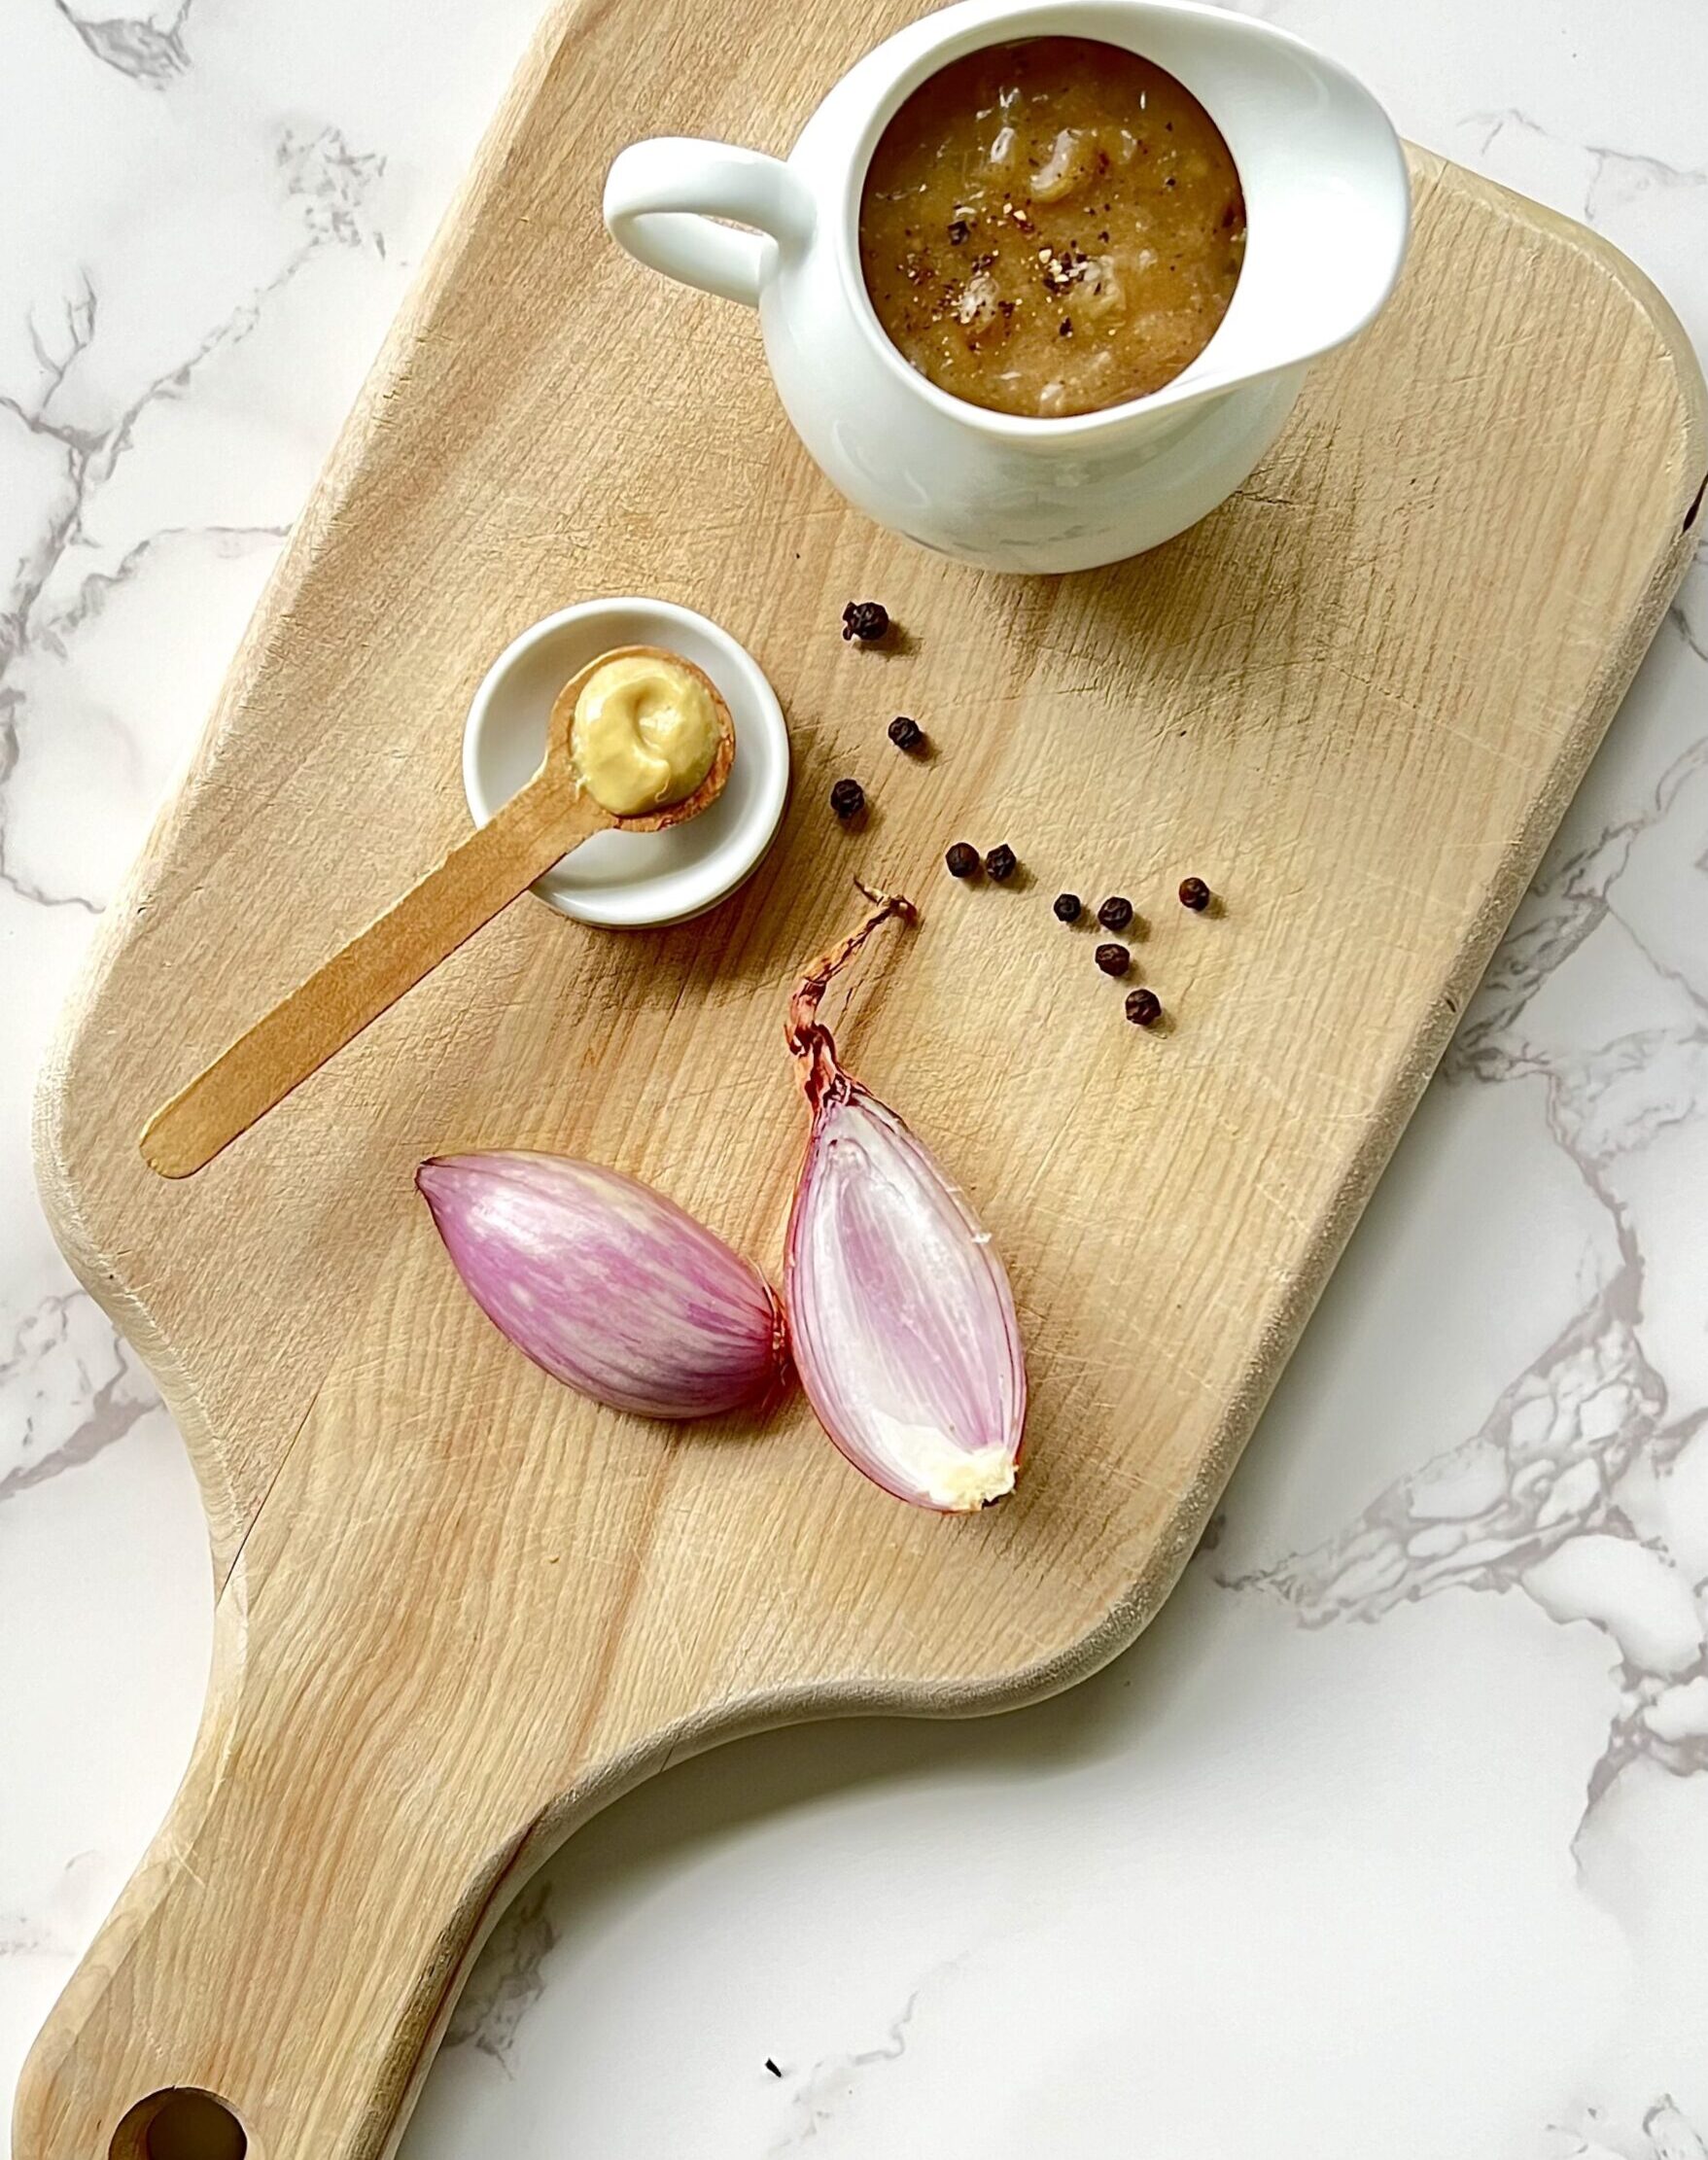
(962, 860)
(868, 621)
(1195, 894)
(1070, 907)
(1114, 959)
(1000, 863)
(958, 228)
(1115, 913)
(906, 734)
(847, 798)
(1144, 1008)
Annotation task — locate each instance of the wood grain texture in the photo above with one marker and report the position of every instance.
(483, 872)
(458, 1609)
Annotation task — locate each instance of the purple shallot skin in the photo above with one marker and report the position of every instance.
(901, 1317)
(607, 1285)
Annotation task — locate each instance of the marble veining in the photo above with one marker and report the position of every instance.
(817, 2096)
(147, 48)
(1392, 1834)
(507, 1979)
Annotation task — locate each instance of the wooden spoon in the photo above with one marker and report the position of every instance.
(550, 816)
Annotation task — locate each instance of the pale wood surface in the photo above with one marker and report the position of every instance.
(459, 1607)
(484, 872)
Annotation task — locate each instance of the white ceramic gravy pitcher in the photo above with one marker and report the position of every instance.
(1327, 210)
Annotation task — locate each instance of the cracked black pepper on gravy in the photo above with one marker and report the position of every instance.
(1051, 226)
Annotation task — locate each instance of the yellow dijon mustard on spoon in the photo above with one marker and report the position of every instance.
(645, 733)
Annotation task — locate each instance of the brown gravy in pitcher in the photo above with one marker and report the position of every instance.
(1051, 226)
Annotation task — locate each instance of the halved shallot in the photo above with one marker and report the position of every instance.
(900, 1316)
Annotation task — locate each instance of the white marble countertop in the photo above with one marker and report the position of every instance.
(1391, 1837)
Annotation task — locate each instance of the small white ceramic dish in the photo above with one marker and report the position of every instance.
(1328, 205)
(626, 879)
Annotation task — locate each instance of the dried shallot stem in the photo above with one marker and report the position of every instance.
(808, 1038)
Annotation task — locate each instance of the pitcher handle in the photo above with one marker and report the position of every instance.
(662, 196)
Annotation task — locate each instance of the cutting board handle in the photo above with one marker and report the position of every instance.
(277, 1973)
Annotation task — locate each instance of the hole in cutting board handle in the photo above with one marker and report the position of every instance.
(181, 2123)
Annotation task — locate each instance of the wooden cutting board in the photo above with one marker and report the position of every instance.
(459, 1607)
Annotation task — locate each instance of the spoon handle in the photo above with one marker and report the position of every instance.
(479, 876)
